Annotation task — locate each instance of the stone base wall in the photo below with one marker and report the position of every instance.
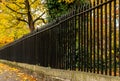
(63, 75)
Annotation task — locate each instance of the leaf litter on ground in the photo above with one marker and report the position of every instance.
(8, 73)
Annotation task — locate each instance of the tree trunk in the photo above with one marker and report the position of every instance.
(31, 26)
(30, 19)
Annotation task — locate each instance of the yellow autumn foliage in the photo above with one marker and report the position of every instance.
(5, 40)
(14, 18)
(66, 1)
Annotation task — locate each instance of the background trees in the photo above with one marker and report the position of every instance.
(56, 8)
(19, 17)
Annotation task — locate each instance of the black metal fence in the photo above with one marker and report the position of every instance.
(86, 39)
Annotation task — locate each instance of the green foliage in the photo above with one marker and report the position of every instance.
(56, 8)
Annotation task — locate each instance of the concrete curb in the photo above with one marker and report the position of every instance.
(63, 75)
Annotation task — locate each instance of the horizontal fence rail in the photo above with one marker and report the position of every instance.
(87, 39)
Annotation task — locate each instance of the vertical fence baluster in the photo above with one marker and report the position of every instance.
(62, 42)
(106, 39)
(87, 40)
(119, 40)
(68, 42)
(64, 39)
(84, 43)
(72, 39)
(115, 66)
(75, 39)
(110, 40)
(102, 38)
(64, 54)
(94, 16)
(91, 40)
(98, 60)
(57, 51)
(79, 40)
(60, 45)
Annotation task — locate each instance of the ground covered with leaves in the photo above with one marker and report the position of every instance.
(9, 73)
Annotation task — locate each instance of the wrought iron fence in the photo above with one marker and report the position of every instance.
(86, 39)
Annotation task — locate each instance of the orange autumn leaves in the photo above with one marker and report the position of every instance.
(13, 74)
(5, 39)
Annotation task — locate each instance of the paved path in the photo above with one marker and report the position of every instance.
(8, 73)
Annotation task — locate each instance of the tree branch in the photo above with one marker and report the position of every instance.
(42, 20)
(19, 19)
(18, 5)
(14, 10)
(38, 18)
(33, 2)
